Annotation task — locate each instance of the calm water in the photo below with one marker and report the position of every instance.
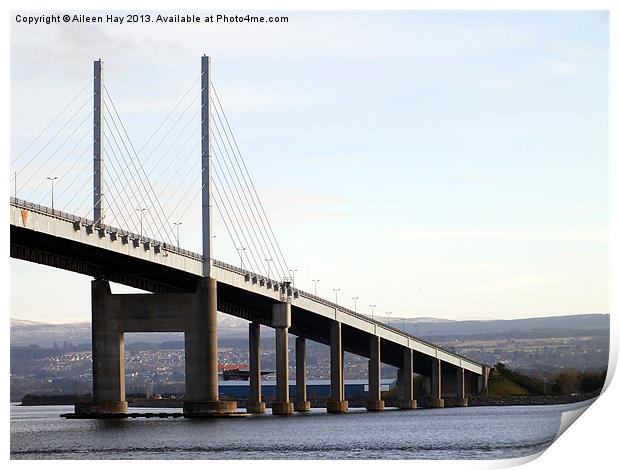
(451, 433)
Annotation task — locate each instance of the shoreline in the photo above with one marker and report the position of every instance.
(474, 401)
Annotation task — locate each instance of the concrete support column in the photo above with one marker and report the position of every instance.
(342, 393)
(460, 387)
(426, 386)
(482, 386)
(301, 402)
(255, 402)
(407, 400)
(108, 356)
(374, 402)
(195, 314)
(282, 365)
(201, 384)
(281, 321)
(337, 403)
(435, 401)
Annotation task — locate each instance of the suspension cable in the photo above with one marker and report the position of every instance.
(52, 154)
(53, 121)
(67, 155)
(251, 182)
(242, 195)
(164, 227)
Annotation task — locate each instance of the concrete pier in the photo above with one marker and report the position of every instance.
(255, 402)
(460, 387)
(435, 400)
(406, 399)
(301, 402)
(108, 356)
(194, 314)
(374, 402)
(281, 321)
(201, 386)
(483, 382)
(337, 403)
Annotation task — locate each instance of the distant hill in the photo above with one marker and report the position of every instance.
(16, 322)
(25, 332)
(594, 324)
(501, 386)
(417, 320)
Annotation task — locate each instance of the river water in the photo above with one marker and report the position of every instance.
(38, 432)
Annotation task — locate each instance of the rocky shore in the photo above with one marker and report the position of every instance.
(528, 400)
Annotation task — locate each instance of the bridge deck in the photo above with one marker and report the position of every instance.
(42, 235)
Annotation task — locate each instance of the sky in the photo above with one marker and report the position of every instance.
(445, 164)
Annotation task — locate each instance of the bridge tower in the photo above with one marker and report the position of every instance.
(193, 313)
(98, 104)
(206, 165)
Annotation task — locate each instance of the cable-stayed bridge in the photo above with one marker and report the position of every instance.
(117, 218)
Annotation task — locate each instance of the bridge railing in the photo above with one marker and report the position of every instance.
(327, 303)
(168, 247)
(368, 318)
(109, 228)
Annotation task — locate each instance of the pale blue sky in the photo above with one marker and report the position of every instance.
(434, 164)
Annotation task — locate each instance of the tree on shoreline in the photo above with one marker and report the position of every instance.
(503, 381)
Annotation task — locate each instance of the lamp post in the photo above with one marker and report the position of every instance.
(293, 271)
(372, 314)
(177, 225)
(336, 291)
(51, 178)
(269, 261)
(141, 211)
(388, 317)
(315, 282)
(355, 304)
(241, 250)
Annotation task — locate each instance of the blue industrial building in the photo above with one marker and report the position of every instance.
(314, 388)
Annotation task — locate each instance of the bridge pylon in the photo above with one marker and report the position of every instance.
(98, 158)
(205, 162)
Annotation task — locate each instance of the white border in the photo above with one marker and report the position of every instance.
(590, 444)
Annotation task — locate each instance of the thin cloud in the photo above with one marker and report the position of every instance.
(555, 235)
(561, 68)
(522, 281)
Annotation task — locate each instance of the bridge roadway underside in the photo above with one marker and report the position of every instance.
(99, 263)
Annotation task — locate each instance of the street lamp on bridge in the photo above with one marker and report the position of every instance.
(355, 304)
(241, 250)
(141, 211)
(315, 282)
(269, 261)
(51, 178)
(388, 317)
(372, 312)
(336, 292)
(293, 271)
(177, 225)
